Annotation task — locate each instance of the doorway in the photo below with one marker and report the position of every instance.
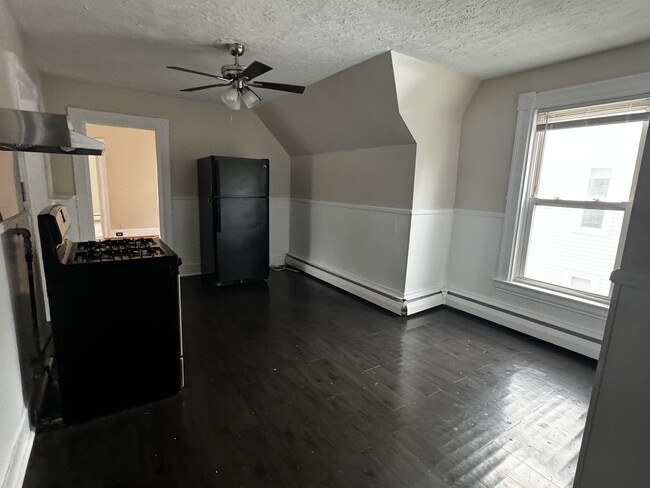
(124, 182)
(131, 197)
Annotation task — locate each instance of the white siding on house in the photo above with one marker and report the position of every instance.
(560, 249)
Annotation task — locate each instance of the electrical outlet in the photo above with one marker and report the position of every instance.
(119, 234)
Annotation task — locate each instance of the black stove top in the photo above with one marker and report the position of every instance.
(116, 250)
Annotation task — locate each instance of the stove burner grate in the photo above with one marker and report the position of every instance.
(116, 250)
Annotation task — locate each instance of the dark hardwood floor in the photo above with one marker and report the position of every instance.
(297, 384)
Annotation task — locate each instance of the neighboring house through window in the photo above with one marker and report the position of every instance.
(575, 162)
(598, 186)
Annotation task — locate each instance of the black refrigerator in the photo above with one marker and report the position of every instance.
(234, 219)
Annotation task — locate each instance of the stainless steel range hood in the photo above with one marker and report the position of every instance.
(45, 133)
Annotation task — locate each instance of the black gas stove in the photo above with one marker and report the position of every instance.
(115, 309)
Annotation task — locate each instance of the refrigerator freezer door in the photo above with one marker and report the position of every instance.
(241, 226)
(240, 177)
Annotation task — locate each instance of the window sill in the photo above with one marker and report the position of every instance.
(583, 306)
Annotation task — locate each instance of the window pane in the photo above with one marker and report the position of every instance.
(585, 163)
(564, 252)
(592, 218)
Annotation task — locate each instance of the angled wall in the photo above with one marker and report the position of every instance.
(373, 175)
(432, 101)
(352, 169)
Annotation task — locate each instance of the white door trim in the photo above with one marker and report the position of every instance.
(79, 118)
(102, 187)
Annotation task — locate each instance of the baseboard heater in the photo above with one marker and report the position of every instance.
(394, 303)
(546, 331)
(555, 334)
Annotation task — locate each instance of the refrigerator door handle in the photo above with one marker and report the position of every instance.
(217, 212)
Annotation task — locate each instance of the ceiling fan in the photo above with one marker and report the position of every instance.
(239, 79)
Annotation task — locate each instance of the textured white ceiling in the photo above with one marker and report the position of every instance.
(128, 43)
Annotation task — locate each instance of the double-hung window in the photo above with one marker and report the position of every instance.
(571, 190)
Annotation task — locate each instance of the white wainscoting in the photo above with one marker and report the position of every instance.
(428, 254)
(368, 245)
(16, 468)
(185, 225)
(395, 258)
(372, 292)
(279, 220)
(185, 215)
(475, 244)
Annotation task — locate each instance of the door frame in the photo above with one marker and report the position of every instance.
(79, 117)
(102, 188)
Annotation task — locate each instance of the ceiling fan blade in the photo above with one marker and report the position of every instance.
(178, 68)
(197, 88)
(278, 86)
(254, 70)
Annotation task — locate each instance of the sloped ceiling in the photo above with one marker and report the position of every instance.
(356, 108)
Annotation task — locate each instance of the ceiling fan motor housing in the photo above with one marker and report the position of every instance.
(232, 71)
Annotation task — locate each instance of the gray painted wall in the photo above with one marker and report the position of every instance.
(378, 176)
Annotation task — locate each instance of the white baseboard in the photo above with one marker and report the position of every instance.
(17, 468)
(387, 299)
(339, 279)
(416, 305)
(545, 332)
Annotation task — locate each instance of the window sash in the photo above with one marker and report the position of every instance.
(524, 237)
(582, 204)
(612, 119)
(565, 290)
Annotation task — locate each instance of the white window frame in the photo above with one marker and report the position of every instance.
(529, 104)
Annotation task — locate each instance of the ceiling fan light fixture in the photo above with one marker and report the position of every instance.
(249, 97)
(231, 98)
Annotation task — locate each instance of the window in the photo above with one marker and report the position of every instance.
(571, 188)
